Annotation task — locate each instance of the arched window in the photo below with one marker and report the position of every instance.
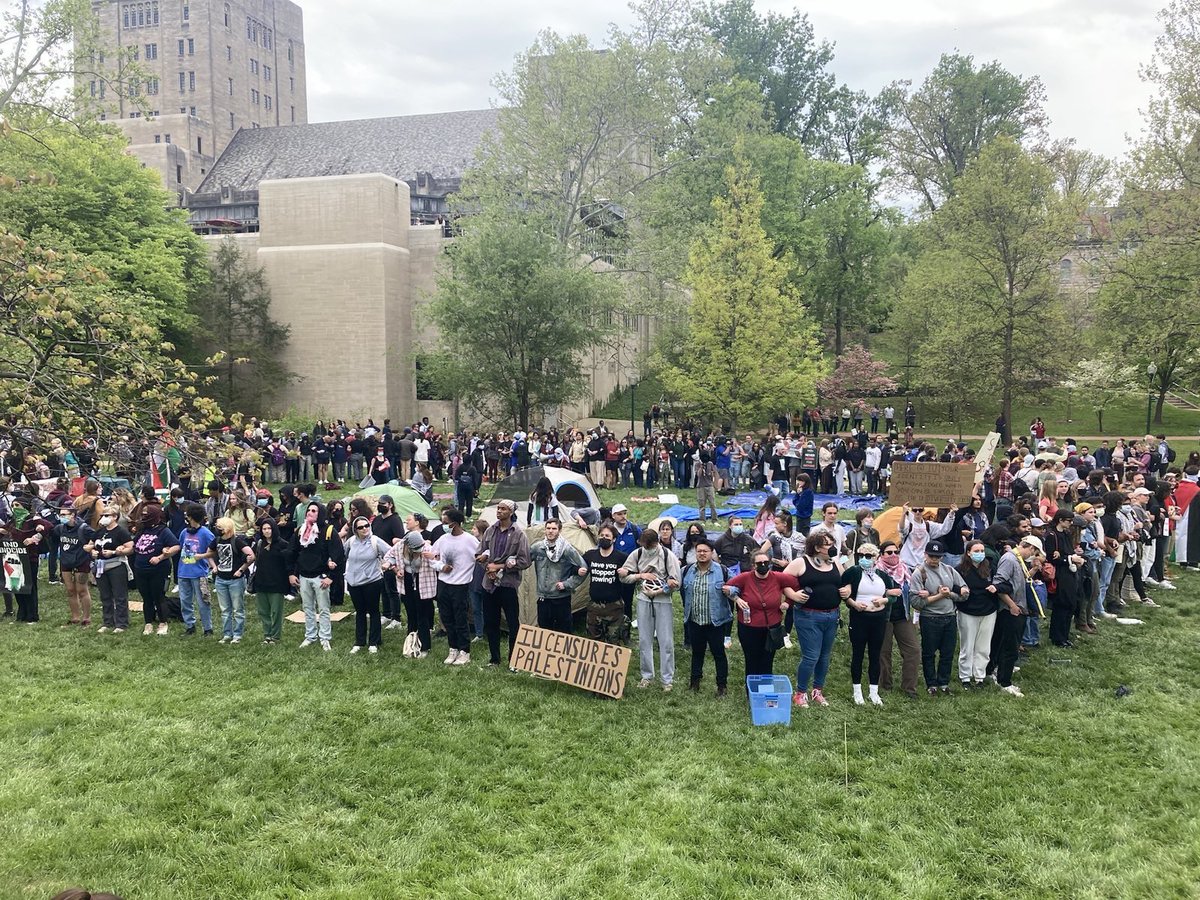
(226, 15)
(154, 9)
(1064, 270)
(125, 15)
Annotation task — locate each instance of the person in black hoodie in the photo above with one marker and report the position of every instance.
(976, 615)
(73, 534)
(316, 554)
(273, 565)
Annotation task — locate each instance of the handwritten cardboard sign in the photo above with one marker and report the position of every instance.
(577, 661)
(984, 458)
(931, 484)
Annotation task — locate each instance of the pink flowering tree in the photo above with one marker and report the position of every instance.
(858, 374)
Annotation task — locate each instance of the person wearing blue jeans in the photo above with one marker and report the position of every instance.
(819, 578)
(196, 541)
(234, 557)
(933, 588)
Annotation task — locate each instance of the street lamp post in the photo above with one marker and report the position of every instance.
(1151, 371)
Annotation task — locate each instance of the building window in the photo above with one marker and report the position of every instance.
(229, 54)
(231, 120)
(291, 53)
(291, 84)
(191, 46)
(103, 116)
(152, 51)
(248, 28)
(154, 113)
(267, 38)
(152, 86)
(191, 81)
(266, 102)
(141, 15)
(125, 16)
(166, 139)
(191, 111)
(182, 109)
(93, 89)
(154, 10)
(180, 44)
(230, 87)
(226, 15)
(254, 67)
(135, 115)
(1064, 270)
(200, 145)
(266, 73)
(182, 82)
(102, 86)
(187, 13)
(136, 54)
(179, 174)
(158, 139)
(132, 89)
(254, 96)
(293, 115)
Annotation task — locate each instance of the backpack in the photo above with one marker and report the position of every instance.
(277, 456)
(1170, 454)
(466, 480)
(412, 646)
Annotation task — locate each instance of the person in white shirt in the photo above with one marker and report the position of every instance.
(917, 533)
(455, 550)
(421, 449)
(829, 525)
(889, 417)
(874, 458)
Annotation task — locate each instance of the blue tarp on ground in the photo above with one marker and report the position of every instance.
(747, 505)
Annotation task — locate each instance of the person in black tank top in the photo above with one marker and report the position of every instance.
(819, 579)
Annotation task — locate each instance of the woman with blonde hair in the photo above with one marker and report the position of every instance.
(234, 557)
(124, 501)
(241, 513)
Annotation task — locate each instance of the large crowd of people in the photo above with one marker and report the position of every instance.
(1058, 538)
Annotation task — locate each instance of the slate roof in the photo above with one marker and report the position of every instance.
(440, 144)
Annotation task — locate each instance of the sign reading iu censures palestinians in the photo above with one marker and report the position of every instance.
(931, 484)
(577, 661)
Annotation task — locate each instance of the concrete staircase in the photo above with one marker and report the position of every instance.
(1181, 398)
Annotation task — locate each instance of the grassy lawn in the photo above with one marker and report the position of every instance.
(165, 767)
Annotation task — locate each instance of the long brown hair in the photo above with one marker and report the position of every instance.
(983, 569)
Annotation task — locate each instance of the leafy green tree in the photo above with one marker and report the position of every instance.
(235, 330)
(77, 357)
(741, 304)
(985, 288)
(934, 132)
(514, 295)
(81, 193)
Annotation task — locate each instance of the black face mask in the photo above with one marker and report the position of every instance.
(762, 568)
(605, 543)
(384, 510)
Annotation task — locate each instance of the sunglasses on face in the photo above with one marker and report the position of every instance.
(891, 552)
(363, 528)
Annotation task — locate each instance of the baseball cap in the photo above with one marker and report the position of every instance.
(935, 548)
(1036, 522)
(1035, 542)
(620, 507)
(1141, 492)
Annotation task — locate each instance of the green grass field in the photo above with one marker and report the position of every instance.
(164, 767)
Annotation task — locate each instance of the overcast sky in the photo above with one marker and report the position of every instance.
(382, 58)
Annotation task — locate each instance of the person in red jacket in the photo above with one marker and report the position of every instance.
(761, 606)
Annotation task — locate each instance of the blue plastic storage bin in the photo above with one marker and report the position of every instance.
(770, 699)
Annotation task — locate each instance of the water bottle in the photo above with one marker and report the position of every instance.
(746, 615)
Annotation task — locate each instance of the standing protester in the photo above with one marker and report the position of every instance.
(73, 535)
(706, 609)
(761, 604)
(655, 572)
(976, 616)
(872, 591)
(233, 556)
(504, 554)
(315, 554)
(900, 626)
(932, 588)
(111, 548)
(559, 569)
(819, 578)
(1014, 582)
(1061, 551)
(365, 554)
(272, 565)
(455, 551)
(192, 577)
(606, 617)
(153, 548)
(388, 528)
(420, 581)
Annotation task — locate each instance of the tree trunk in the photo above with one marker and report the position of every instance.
(1158, 405)
(837, 328)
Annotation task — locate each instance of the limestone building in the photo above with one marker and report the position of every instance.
(212, 68)
(347, 220)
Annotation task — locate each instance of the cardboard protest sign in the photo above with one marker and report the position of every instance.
(577, 661)
(984, 458)
(931, 484)
(12, 567)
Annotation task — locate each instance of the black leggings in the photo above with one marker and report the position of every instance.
(152, 585)
(759, 660)
(866, 635)
(419, 612)
(366, 612)
(503, 599)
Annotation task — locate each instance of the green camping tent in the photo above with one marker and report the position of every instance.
(406, 499)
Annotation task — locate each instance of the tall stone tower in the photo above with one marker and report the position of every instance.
(213, 67)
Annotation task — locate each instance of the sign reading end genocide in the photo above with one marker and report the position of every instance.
(12, 567)
(577, 661)
(931, 484)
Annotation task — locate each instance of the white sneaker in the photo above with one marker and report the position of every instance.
(175, 590)
(372, 649)
(394, 624)
(289, 597)
(451, 658)
(149, 629)
(236, 640)
(728, 642)
(633, 624)
(306, 643)
(1167, 585)
(1108, 615)
(162, 628)
(464, 658)
(385, 621)
(118, 631)
(858, 700)
(1012, 689)
(224, 639)
(325, 646)
(422, 654)
(103, 629)
(1150, 603)
(787, 642)
(876, 699)
(355, 649)
(1152, 581)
